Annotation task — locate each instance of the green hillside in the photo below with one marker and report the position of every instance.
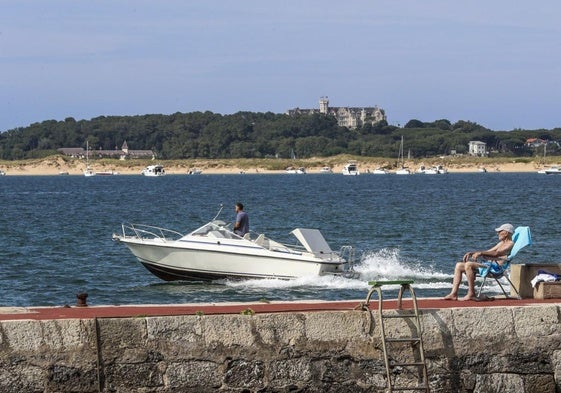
(208, 135)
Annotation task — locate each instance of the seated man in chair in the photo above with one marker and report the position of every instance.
(469, 264)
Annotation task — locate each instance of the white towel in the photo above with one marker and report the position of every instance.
(542, 277)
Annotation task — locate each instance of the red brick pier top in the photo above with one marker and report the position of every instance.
(90, 312)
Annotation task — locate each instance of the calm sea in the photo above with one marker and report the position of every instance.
(55, 231)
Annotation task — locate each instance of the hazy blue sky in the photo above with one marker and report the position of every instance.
(495, 62)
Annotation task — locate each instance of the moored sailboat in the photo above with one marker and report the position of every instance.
(403, 170)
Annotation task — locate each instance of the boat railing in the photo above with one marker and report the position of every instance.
(348, 254)
(143, 231)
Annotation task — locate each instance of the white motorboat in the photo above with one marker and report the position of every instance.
(380, 171)
(553, 170)
(106, 173)
(326, 169)
(154, 170)
(403, 171)
(431, 171)
(2, 173)
(298, 171)
(213, 252)
(351, 169)
(435, 170)
(194, 171)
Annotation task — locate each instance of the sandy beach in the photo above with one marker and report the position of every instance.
(57, 165)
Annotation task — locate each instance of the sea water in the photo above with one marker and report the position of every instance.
(55, 231)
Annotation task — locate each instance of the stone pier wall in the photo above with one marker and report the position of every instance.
(490, 349)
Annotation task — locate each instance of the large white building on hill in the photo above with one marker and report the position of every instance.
(477, 148)
(350, 117)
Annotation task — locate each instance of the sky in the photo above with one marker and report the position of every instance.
(496, 63)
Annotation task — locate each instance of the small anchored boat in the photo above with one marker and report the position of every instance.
(351, 169)
(154, 170)
(298, 171)
(380, 171)
(553, 170)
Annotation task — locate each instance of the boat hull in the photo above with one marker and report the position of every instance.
(181, 260)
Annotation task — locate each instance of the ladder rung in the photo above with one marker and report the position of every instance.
(399, 316)
(402, 340)
(416, 342)
(390, 282)
(407, 364)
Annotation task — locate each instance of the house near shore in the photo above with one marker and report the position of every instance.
(122, 154)
(477, 149)
(350, 117)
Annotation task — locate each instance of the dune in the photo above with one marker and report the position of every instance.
(57, 165)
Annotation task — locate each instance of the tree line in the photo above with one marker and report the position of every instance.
(261, 135)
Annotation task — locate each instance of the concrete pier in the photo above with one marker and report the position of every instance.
(497, 346)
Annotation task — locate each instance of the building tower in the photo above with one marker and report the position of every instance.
(125, 147)
(323, 105)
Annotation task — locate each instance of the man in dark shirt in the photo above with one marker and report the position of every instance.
(241, 227)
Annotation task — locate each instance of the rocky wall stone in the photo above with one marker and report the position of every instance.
(556, 363)
(491, 349)
(52, 355)
(194, 376)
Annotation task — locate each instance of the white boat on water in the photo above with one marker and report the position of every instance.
(403, 170)
(106, 173)
(553, 170)
(89, 172)
(2, 173)
(214, 251)
(154, 170)
(194, 171)
(380, 171)
(435, 170)
(326, 169)
(298, 171)
(351, 169)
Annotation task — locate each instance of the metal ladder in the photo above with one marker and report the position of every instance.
(416, 340)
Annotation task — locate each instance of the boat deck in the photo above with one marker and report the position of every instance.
(124, 311)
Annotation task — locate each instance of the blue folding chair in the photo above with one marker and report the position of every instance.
(522, 238)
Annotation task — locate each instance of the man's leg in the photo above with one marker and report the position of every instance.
(471, 269)
(458, 271)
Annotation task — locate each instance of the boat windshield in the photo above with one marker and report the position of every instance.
(215, 229)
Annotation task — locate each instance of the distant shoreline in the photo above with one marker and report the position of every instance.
(57, 165)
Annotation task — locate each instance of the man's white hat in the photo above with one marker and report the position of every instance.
(505, 227)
